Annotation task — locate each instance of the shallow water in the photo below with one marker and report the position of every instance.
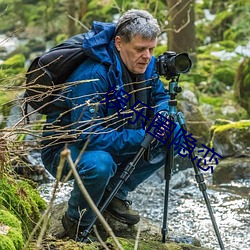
(187, 212)
(188, 215)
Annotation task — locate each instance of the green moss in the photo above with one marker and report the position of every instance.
(228, 45)
(16, 61)
(128, 244)
(21, 199)
(225, 75)
(6, 243)
(16, 237)
(60, 38)
(214, 101)
(230, 134)
(13, 71)
(6, 96)
(9, 219)
(13, 239)
(236, 125)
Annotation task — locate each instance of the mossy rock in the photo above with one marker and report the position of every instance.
(11, 237)
(218, 107)
(21, 199)
(231, 139)
(128, 244)
(150, 235)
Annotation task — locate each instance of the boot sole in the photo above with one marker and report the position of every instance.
(121, 219)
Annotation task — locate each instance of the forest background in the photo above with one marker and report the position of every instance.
(214, 33)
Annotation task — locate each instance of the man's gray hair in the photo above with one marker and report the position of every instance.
(137, 22)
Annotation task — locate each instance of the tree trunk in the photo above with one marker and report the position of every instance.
(71, 6)
(181, 27)
(83, 7)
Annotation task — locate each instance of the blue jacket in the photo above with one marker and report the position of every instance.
(88, 118)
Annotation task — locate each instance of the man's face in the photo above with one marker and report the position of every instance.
(137, 53)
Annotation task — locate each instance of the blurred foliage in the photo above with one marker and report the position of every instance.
(242, 84)
(221, 27)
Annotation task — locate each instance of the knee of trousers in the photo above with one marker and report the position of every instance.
(98, 165)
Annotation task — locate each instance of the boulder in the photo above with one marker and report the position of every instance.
(150, 235)
(195, 122)
(231, 169)
(231, 139)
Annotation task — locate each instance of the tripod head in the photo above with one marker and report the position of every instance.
(174, 89)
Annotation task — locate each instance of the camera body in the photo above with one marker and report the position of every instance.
(171, 65)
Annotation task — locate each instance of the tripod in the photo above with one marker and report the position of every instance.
(169, 163)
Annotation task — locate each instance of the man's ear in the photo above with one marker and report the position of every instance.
(118, 42)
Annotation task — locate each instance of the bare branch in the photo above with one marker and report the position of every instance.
(66, 154)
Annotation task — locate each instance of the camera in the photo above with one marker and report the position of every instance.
(171, 65)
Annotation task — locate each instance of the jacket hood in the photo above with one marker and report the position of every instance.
(98, 43)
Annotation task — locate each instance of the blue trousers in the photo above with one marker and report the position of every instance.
(99, 171)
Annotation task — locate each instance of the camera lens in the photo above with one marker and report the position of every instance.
(170, 64)
(182, 63)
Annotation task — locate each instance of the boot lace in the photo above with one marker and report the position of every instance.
(127, 203)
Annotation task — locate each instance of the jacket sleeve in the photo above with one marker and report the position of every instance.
(89, 121)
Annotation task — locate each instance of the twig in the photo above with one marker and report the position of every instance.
(99, 238)
(77, 21)
(66, 154)
(137, 236)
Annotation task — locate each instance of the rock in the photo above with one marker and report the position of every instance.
(206, 109)
(189, 96)
(182, 179)
(149, 238)
(228, 110)
(231, 139)
(232, 169)
(195, 122)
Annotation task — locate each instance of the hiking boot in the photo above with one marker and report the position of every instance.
(121, 211)
(75, 231)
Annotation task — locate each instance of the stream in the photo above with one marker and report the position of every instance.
(187, 212)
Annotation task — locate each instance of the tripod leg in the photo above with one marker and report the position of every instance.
(169, 163)
(202, 186)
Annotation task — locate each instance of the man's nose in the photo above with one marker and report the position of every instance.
(146, 54)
